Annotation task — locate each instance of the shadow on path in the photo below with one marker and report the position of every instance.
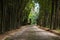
(33, 33)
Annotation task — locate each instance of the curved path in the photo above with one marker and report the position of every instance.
(33, 33)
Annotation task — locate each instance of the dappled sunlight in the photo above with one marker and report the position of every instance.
(33, 16)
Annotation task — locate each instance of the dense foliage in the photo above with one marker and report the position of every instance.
(49, 14)
(14, 13)
(11, 12)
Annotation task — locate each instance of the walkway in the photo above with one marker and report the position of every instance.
(33, 33)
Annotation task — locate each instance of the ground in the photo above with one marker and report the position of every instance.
(32, 32)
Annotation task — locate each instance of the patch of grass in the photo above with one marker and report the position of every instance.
(58, 30)
(8, 39)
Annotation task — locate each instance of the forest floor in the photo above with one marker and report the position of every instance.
(12, 32)
(51, 30)
(32, 32)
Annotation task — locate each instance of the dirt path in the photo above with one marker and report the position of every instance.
(33, 33)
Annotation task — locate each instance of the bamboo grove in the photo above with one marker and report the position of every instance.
(14, 13)
(11, 12)
(49, 14)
